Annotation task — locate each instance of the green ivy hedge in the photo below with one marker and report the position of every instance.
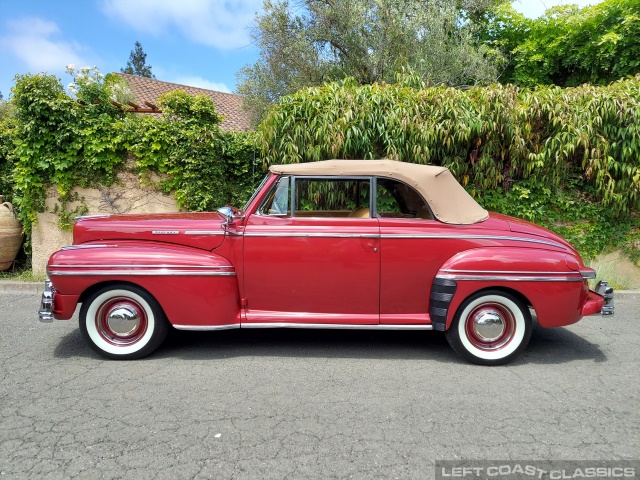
(64, 142)
(203, 166)
(6, 159)
(59, 141)
(565, 158)
(487, 136)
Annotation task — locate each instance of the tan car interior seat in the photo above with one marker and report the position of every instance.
(362, 212)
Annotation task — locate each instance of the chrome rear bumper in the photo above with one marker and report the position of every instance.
(46, 303)
(606, 292)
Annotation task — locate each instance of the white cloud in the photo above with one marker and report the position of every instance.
(199, 82)
(219, 23)
(30, 40)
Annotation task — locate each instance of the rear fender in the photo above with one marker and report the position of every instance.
(549, 281)
(195, 288)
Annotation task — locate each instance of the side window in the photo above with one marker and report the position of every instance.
(277, 201)
(396, 199)
(315, 197)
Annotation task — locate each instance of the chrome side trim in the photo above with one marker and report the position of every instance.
(165, 232)
(78, 247)
(475, 237)
(311, 234)
(588, 275)
(201, 328)
(159, 272)
(204, 232)
(87, 217)
(505, 272)
(510, 278)
(406, 236)
(335, 326)
(142, 266)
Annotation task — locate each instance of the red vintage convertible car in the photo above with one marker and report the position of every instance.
(373, 244)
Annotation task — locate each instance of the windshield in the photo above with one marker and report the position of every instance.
(264, 180)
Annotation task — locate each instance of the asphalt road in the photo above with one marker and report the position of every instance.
(308, 404)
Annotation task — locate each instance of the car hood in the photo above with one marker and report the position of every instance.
(200, 230)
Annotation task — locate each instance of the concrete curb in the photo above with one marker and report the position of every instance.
(627, 294)
(10, 286)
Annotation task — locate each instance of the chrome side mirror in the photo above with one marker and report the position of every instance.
(227, 214)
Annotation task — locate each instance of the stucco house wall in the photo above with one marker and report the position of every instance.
(128, 195)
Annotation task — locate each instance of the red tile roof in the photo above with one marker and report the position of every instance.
(229, 105)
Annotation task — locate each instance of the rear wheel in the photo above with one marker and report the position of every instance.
(490, 328)
(122, 322)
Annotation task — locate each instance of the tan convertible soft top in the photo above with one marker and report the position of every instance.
(449, 202)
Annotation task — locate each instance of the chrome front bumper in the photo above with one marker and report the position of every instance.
(46, 304)
(606, 292)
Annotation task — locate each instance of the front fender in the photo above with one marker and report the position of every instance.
(195, 288)
(550, 281)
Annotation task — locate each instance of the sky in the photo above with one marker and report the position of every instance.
(201, 43)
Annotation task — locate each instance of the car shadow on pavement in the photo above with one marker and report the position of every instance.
(303, 343)
(285, 342)
(547, 346)
(560, 345)
(73, 345)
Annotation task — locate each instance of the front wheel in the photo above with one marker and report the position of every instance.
(122, 322)
(490, 328)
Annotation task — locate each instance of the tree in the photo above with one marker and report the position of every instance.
(6, 108)
(568, 46)
(137, 64)
(372, 41)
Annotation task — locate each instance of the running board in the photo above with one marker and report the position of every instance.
(319, 326)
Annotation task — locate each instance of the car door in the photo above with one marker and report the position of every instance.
(410, 253)
(311, 254)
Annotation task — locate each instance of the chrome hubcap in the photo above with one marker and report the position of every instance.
(123, 320)
(488, 325)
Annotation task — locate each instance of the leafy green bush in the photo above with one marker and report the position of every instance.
(91, 87)
(6, 158)
(65, 142)
(203, 166)
(487, 136)
(572, 212)
(59, 141)
(516, 150)
(567, 46)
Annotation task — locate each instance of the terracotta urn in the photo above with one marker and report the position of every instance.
(10, 234)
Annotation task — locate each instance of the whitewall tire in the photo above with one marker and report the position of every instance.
(122, 322)
(490, 328)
